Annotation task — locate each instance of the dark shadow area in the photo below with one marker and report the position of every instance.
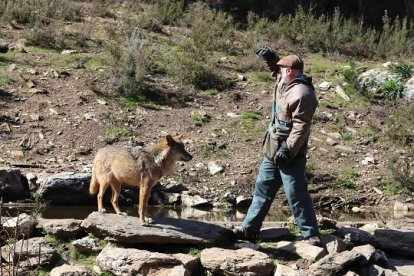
(6, 96)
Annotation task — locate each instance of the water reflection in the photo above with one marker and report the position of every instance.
(205, 214)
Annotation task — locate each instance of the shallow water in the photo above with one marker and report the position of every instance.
(204, 214)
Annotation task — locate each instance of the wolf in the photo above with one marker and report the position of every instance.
(142, 167)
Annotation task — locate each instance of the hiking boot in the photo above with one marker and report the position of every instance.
(241, 234)
(314, 240)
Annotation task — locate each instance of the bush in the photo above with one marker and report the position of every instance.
(30, 12)
(196, 68)
(152, 16)
(46, 37)
(168, 12)
(51, 36)
(258, 31)
(334, 34)
(132, 64)
(210, 29)
(392, 90)
(394, 39)
(402, 168)
(402, 69)
(400, 125)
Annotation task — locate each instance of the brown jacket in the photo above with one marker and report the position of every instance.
(294, 105)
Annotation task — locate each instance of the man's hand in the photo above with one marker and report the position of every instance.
(283, 154)
(266, 53)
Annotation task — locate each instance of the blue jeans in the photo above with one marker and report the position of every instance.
(268, 182)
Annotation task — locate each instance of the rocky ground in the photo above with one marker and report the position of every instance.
(110, 244)
(54, 118)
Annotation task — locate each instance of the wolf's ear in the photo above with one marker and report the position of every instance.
(178, 138)
(169, 140)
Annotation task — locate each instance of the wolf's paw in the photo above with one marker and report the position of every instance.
(144, 223)
(148, 220)
(102, 211)
(123, 214)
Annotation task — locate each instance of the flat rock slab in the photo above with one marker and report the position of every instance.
(128, 230)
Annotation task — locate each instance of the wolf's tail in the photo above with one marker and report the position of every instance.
(94, 186)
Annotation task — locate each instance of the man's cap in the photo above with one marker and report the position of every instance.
(292, 61)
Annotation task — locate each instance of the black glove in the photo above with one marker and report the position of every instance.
(266, 53)
(283, 154)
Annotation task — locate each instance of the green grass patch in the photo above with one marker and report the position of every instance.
(113, 133)
(211, 92)
(390, 187)
(327, 104)
(153, 101)
(326, 231)
(369, 132)
(5, 79)
(199, 119)
(346, 178)
(316, 64)
(294, 229)
(260, 76)
(99, 61)
(251, 116)
(196, 252)
(347, 137)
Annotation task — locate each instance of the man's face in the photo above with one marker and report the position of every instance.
(285, 74)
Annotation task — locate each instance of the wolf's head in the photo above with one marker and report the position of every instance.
(177, 150)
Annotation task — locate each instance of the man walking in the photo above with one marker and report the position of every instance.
(285, 147)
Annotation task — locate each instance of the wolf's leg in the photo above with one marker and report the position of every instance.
(116, 190)
(102, 189)
(144, 191)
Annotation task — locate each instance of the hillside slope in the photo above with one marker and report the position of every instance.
(58, 109)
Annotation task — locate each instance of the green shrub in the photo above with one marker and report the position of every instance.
(351, 76)
(168, 12)
(392, 89)
(30, 12)
(404, 70)
(210, 29)
(258, 31)
(102, 8)
(196, 68)
(402, 168)
(400, 125)
(394, 39)
(332, 34)
(131, 64)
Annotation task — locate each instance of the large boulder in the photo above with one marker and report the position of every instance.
(128, 230)
(70, 270)
(409, 90)
(371, 81)
(61, 228)
(65, 188)
(395, 241)
(22, 225)
(333, 264)
(13, 185)
(244, 261)
(130, 261)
